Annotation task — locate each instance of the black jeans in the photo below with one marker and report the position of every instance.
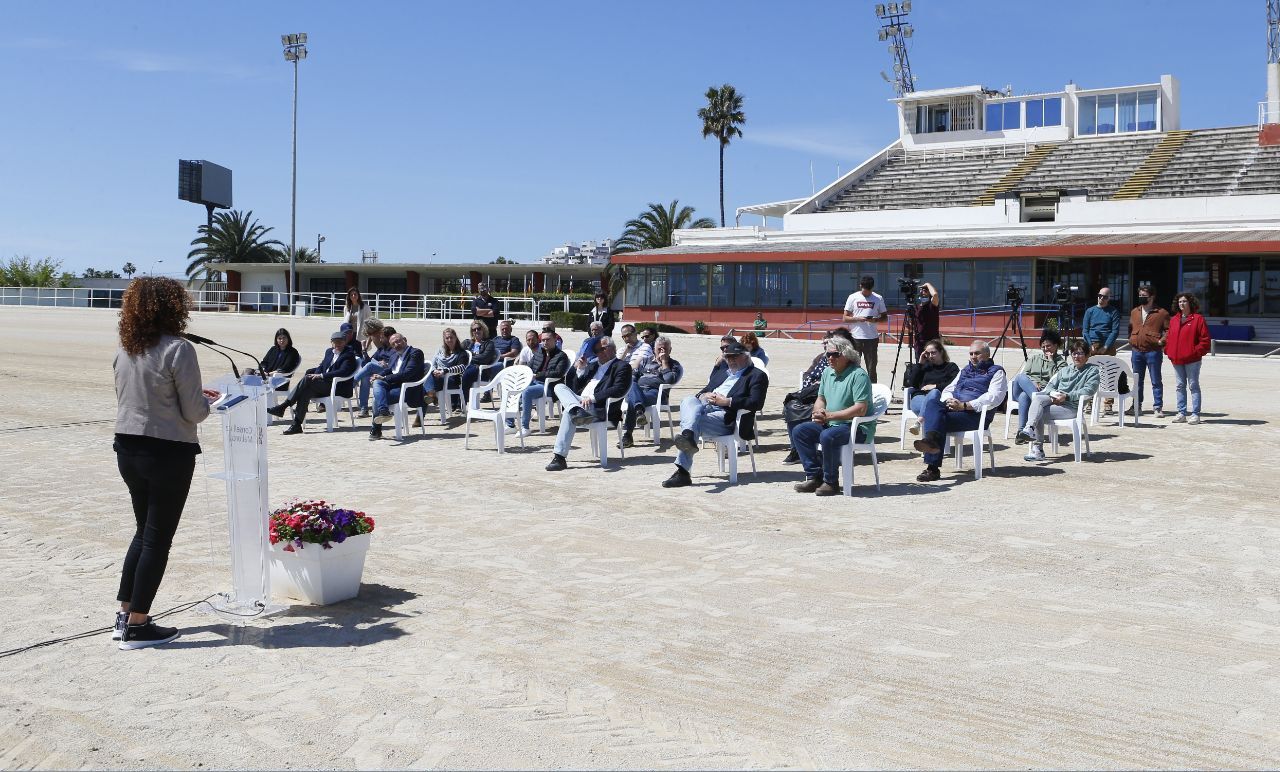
(158, 486)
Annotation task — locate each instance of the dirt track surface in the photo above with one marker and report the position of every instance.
(1123, 612)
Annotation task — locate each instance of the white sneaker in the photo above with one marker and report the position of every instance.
(1179, 419)
(1194, 419)
(524, 433)
(1036, 454)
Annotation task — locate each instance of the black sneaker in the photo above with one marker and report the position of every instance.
(792, 458)
(582, 418)
(375, 433)
(930, 474)
(277, 411)
(627, 441)
(148, 634)
(294, 429)
(122, 621)
(687, 441)
(930, 443)
(558, 463)
(1023, 437)
(382, 417)
(678, 479)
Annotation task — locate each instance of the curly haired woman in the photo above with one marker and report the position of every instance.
(159, 402)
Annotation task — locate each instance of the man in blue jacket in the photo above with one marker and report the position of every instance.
(587, 389)
(713, 411)
(957, 408)
(1101, 325)
(339, 362)
(406, 365)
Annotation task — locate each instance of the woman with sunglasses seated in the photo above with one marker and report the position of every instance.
(929, 377)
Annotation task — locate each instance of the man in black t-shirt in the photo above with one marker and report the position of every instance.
(927, 316)
(485, 308)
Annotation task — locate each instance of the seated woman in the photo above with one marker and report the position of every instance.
(1035, 375)
(375, 356)
(451, 354)
(1060, 398)
(752, 343)
(482, 353)
(929, 377)
(280, 361)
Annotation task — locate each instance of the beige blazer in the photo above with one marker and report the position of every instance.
(158, 393)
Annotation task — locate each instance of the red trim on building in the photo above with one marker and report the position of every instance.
(1151, 249)
(413, 282)
(1270, 135)
(353, 279)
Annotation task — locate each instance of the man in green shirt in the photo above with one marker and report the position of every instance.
(844, 393)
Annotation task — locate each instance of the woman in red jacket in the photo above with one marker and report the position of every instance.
(1187, 344)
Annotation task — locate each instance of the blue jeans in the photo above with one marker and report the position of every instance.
(918, 400)
(807, 437)
(384, 396)
(939, 421)
(637, 400)
(1188, 376)
(1023, 389)
(362, 378)
(704, 420)
(1144, 362)
(537, 390)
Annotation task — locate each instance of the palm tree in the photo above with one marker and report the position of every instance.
(720, 119)
(305, 255)
(129, 270)
(656, 227)
(234, 238)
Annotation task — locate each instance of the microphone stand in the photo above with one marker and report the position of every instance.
(234, 371)
(207, 343)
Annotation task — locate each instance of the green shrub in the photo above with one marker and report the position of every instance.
(700, 327)
(660, 328)
(568, 320)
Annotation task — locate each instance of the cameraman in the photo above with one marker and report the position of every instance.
(927, 317)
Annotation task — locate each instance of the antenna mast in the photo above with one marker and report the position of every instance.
(1270, 110)
(1273, 31)
(894, 28)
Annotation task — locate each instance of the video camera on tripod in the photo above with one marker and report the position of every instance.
(1064, 294)
(910, 290)
(1013, 295)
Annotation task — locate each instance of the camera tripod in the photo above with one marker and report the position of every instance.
(910, 324)
(1013, 323)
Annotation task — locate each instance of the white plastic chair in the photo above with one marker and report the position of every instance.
(1109, 370)
(880, 397)
(598, 432)
(1077, 426)
(510, 385)
(728, 446)
(653, 414)
(547, 404)
(485, 378)
(907, 415)
(980, 438)
(1010, 404)
(329, 403)
(444, 397)
(276, 397)
(400, 413)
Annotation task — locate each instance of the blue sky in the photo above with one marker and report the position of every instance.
(457, 132)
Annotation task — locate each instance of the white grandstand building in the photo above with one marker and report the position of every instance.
(586, 253)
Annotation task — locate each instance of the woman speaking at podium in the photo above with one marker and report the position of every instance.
(159, 402)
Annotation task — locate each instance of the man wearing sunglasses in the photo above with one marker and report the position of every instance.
(844, 394)
(958, 407)
(713, 411)
(587, 388)
(1101, 325)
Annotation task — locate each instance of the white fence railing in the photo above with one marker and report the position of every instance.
(384, 306)
(1268, 112)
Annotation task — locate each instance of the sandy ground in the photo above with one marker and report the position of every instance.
(1123, 612)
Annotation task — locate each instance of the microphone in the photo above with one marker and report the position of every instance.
(207, 342)
(210, 345)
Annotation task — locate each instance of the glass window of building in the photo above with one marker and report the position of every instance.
(818, 287)
(1147, 110)
(1107, 114)
(1053, 112)
(637, 285)
(657, 285)
(957, 284)
(1012, 115)
(993, 117)
(844, 282)
(1243, 291)
(1271, 286)
(336, 284)
(1195, 279)
(687, 285)
(1087, 116)
(991, 280)
(1128, 112)
(744, 285)
(721, 285)
(781, 285)
(1035, 113)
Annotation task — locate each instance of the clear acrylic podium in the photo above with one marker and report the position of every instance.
(243, 413)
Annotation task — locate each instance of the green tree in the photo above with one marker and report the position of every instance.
(234, 238)
(305, 255)
(94, 273)
(502, 261)
(721, 118)
(653, 229)
(25, 272)
(129, 269)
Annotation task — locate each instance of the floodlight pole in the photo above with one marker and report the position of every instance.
(295, 48)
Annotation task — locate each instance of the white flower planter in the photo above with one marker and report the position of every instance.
(317, 575)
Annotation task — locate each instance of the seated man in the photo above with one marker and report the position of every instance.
(713, 411)
(506, 345)
(548, 363)
(797, 406)
(636, 352)
(589, 345)
(644, 389)
(339, 362)
(719, 365)
(958, 407)
(844, 393)
(377, 338)
(407, 365)
(1060, 398)
(584, 394)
